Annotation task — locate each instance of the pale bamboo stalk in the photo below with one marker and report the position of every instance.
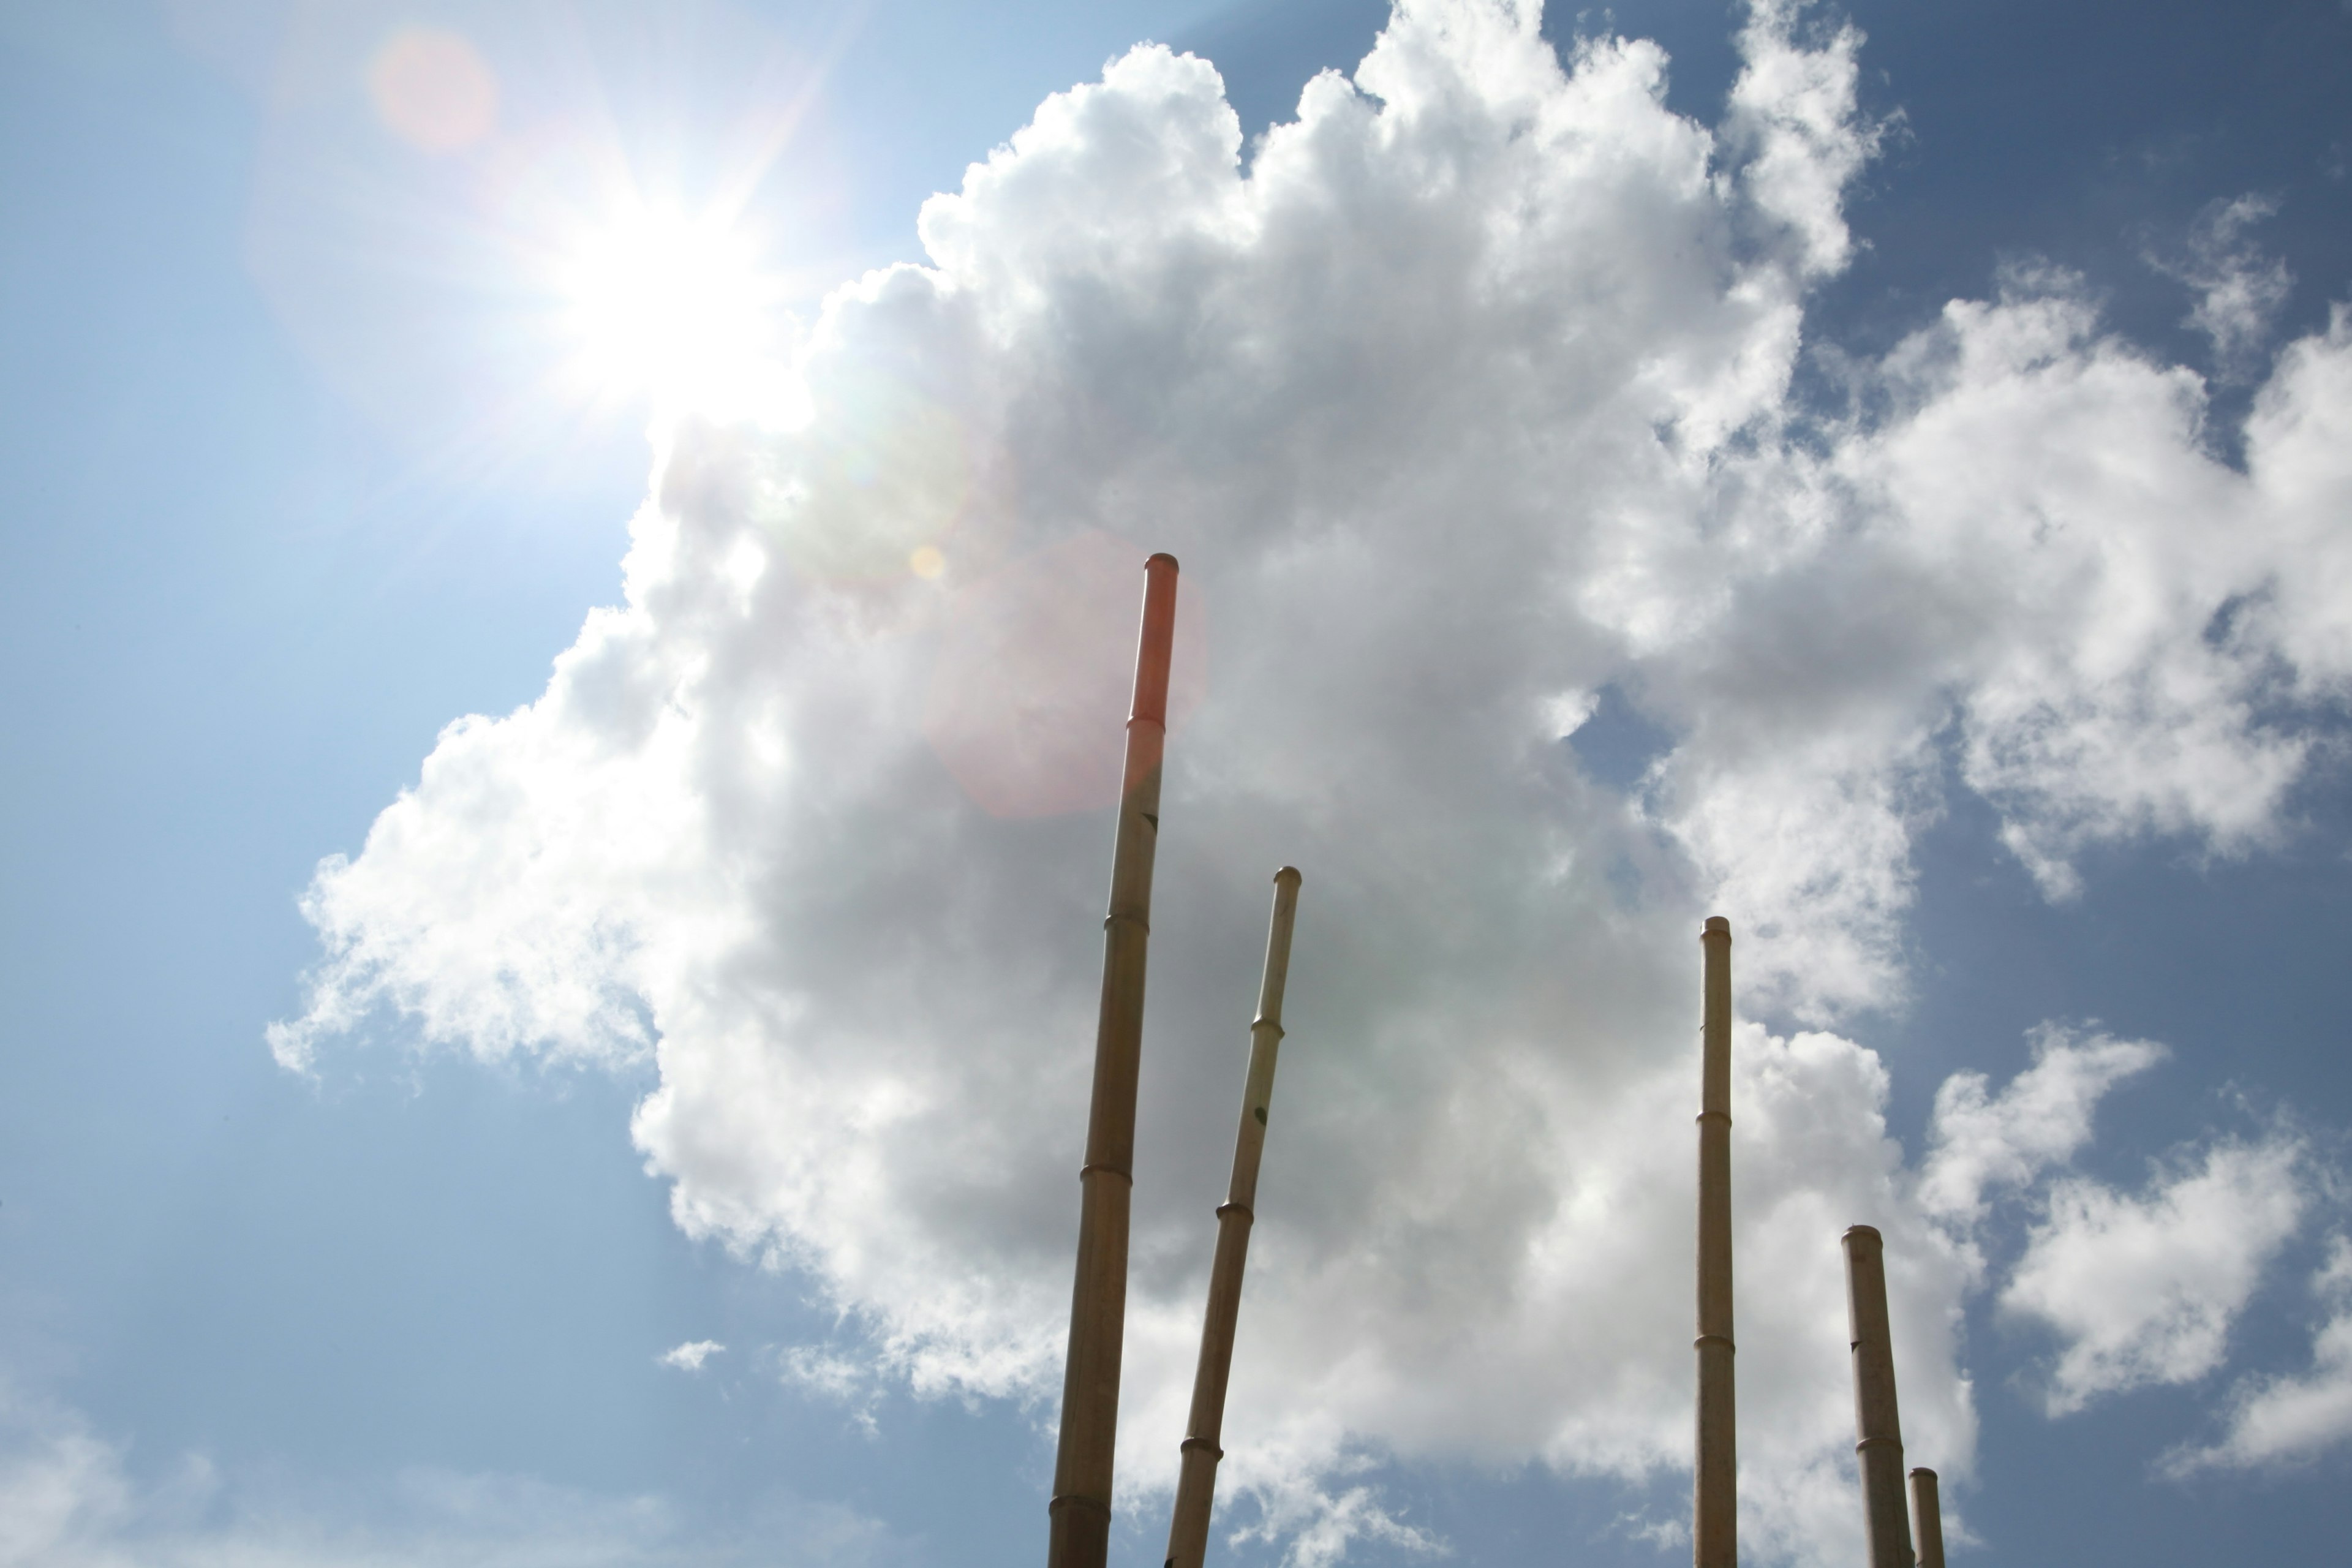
(1080, 1511)
(1878, 1428)
(1715, 1480)
(1196, 1485)
(1927, 1516)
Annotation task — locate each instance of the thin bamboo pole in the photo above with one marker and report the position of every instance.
(1878, 1430)
(1080, 1511)
(1715, 1482)
(1196, 1485)
(1927, 1515)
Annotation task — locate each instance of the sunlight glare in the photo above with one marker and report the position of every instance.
(675, 308)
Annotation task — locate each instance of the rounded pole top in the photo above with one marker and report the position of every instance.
(1289, 874)
(1863, 1235)
(1923, 1471)
(1155, 643)
(1716, 926)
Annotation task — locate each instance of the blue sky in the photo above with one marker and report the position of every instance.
(305, 469)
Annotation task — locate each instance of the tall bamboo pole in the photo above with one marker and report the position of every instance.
(1080, 1511)
(1928, 1514)
(1715, 1482)
(1196, 1485)
(1878, 1430)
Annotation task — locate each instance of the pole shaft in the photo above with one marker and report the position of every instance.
(1715, 1484)
(1196, 1483)
(1080, 1511)
(1878, 1430)
(1927, 1515)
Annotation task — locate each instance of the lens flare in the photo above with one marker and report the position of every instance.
(1034, 666)
(870, 485)
(432, 89)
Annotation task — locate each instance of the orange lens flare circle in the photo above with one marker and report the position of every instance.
(1027, 705)
(432, 89)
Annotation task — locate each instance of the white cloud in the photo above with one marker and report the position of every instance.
(2295, 441)
(1470, 399)
(2143, 1289)
(68, 1499)
(58, 1482)
(849, 1379)
(689, 1356)
(2240, 290)
(1981, 1143)
(1791, 115)
(1665, 1535)
(2289, 1420)
(1318, 1524)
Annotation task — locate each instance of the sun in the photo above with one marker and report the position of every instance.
(671, 307)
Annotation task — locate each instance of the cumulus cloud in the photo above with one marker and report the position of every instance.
(2297, 437)
(2142, 1289)
(2288, 1419)
(1469, 398)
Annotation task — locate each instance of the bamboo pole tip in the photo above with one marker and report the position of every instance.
(1161, 559)
(1288, 876)
(1717, 926)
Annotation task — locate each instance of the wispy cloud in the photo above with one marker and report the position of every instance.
(2241, 291)
(1982, 1143)
(2292, 1418)
(2143, 1287)
(68, 1499)
(689, 1356)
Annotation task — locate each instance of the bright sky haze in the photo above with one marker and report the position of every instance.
(571, 578)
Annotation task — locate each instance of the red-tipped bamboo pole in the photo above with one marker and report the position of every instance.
(1196, 1485)
(1715, 1482)
(1878, 1430)
(1080, 1511)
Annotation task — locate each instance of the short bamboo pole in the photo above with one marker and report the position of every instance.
(1080, 1511)
(1196, 1484)
(1715, 1482)
(1927, 1518)
(1878, 1430)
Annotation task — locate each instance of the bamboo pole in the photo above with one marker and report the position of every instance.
(1715, 1480)
(1878, 1430)
(1196, 1484)
(1080, 1511)
(1928, 1514)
